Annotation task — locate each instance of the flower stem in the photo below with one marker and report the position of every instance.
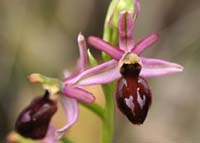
(95, 108)
(109, 35)
(108, 122)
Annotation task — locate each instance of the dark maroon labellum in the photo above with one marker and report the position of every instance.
(33, 121)
(133, 94)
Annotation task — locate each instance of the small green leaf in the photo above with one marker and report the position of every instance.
(105, 57)
(92, 60)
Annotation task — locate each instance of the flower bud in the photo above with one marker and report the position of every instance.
(111, 25)
(122, 5)
(33, 121)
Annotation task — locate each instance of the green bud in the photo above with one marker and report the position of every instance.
(121, 6)
(112, 18)
(111, 33)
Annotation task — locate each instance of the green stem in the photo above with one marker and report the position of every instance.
(110, 35)
(95, 108)
(108, 122)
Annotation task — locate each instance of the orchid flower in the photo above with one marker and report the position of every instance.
(109, 71)
(150, 67)
(68, 94)
(72, 93)
(132, 91)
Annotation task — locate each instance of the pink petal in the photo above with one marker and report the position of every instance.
(83, 52)
(70, 76)
(51, 136)
(66, 73)
(78, 93)
(99, 44)
(92, 71)
(102, 77)
(145, 43)
(126, 28)
(137, 7)
(100, 74)
(71, 110)
(83, 61)
(156, 67)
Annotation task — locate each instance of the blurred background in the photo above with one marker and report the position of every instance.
(40, 36)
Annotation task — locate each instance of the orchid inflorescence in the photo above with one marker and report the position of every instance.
(126, 66)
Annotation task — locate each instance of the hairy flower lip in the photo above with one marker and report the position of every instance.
(33, 121)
